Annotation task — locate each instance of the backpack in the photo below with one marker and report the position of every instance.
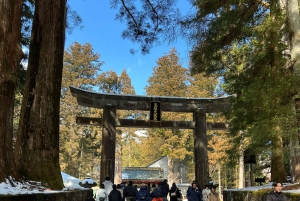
(157, 199)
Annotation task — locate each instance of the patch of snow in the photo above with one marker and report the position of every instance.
(11, 187)
(70, 182)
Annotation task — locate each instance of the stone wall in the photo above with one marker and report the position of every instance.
(73, 195)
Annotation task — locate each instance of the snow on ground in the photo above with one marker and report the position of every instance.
(11, 187)
(70, 181)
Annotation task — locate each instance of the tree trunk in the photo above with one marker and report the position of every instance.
(294, 26)
(37, 150)
(277, 167)
(241, 169)
(10, 57)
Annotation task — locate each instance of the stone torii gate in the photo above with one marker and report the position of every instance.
(155, 104)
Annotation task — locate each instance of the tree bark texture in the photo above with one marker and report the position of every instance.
(294, 146)
(277, 167)
(10, 57)
(37, 150)
(294, 26)
(118, 164)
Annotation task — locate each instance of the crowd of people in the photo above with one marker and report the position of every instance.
(112, 192)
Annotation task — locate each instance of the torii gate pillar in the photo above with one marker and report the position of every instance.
(108, 150)
(200, 148)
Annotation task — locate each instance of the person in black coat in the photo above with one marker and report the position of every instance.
(130, 192)
(164, 193)
(165, 187)
(115, 195)
(174, 193)
(276, 194)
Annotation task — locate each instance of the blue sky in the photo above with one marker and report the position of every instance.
(103, 32)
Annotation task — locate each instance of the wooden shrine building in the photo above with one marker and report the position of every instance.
(155, 105)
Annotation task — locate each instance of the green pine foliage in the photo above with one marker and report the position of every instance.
(78, 144)
(170, 78)
(246, 43)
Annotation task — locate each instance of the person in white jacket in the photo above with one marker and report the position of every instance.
(108, 184)
(205, 192)
(101, 194)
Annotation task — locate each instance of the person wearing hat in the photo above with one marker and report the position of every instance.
(276, 194)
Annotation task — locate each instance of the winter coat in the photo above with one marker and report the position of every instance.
(165, 188)
(121, 191)
(194, 194)
(129, 191)
(156, 193)
(275, 196)
(175, 190)
(213, 197)
(163, 192)
(108, 186)
(205, 193)
(115, 195)
(101, 193)
(142, 194)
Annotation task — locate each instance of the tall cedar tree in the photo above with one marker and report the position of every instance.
(294, 32)
(110, 82)
(10, 57)
(78, 144)
(130, 150)
(37, 148)
(170, 79)
(256, 65)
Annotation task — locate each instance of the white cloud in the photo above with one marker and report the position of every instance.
(141, 62)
